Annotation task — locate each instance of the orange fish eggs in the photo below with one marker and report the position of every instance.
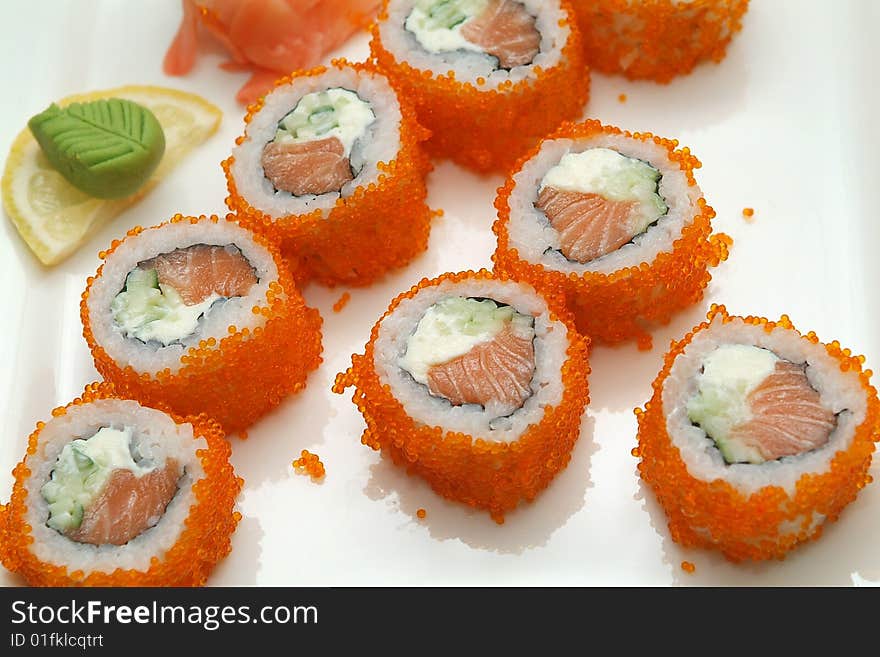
(487, 129)
(309, 464)
(656, 39)
(239, 378)
(495, 476)
(342, 302)
(623, 305)
(715, 514)
(359, 239)
(204, 538)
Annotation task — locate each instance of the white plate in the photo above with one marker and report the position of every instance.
(786, 124)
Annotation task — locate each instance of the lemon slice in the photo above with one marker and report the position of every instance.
(54, 217)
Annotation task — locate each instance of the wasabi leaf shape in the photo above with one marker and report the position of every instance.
(106, 148)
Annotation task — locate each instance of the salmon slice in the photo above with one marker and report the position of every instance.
(498, 370)
(200, 270)
(312, 167)
(788, 417)
(505, 30)
(127, 506)
(589, 225)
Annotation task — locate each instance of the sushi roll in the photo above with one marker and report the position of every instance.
(489, 78)
(656, 39)
(614, 220)
(331, 166)
(201, 315)
(476, 383)
(756, 435)
(114, 493)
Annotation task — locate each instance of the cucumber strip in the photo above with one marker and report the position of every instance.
(76, 517)
(83, 462)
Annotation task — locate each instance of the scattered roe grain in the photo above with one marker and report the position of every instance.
(309, 464)
(341, 302)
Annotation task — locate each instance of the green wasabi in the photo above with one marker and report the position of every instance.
(105, 148)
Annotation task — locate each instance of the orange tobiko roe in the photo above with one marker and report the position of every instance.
(623, 305)
(204, 539)
(656, 39)
(342, 302)
(309, 464)
(487, 129)
(489, 475)
(714, 514)
(235, 380)
(379, 227)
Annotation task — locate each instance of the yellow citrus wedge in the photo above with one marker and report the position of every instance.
(54, 217)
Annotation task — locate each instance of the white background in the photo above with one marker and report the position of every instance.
(786, 124)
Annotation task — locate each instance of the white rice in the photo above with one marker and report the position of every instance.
(468, 66)
(157, 438)
(538, 242)
(152, 357)
(841, 392)
(551, 343)
(381, 142)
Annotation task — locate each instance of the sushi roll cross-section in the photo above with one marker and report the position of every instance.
(500, 29)
(476, 383)
(201, 315)
(331, 167)
(473, 351)
(115, 493)
(756, 436)
(598, 200)
(99, 494)
(758, 407)
(488, 78)
(165, 297)
(312, 149)
(613, 220)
